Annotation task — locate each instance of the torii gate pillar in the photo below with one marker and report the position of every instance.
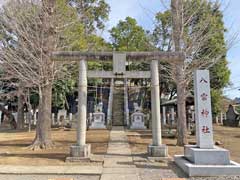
(156, 149)
(81, 150)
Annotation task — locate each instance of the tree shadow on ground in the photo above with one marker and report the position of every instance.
(56, 156)
(14, 130)
(177, 170)
(15, 145)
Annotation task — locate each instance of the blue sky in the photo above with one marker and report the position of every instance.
(144, 11)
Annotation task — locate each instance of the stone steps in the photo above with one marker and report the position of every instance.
(118, 106)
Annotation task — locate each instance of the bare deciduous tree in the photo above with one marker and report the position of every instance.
(177, 19)
(192, 33)
(34, 31)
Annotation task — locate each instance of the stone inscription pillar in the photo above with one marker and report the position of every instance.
(204, 130)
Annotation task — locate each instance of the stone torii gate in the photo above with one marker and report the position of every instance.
(82, 150)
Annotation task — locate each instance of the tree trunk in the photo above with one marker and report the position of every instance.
(181, 108)
(20, 111)
(29, 109)
(43, 129)
(177, 20)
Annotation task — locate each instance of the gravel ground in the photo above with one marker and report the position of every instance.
(217, 178)
(156, 171)
(46, 177)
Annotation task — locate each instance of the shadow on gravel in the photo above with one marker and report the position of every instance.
(177, 170)
(58, 156)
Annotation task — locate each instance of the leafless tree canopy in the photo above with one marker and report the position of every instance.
(25, 54)
(32, 30)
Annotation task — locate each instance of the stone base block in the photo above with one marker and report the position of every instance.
(159, 159)
(215, 156)
(158, 151)
(136, 127)
(206, 170)
(96, 125)
(77, 159)
(79, 153)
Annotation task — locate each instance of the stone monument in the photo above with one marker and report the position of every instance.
(98, 121)
(137, 120)
(205, 159)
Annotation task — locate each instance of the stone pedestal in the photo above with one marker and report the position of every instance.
(213, 156)
(98, 121)
(79, 153)
(137, 121)
(206, 162)
(158, 151)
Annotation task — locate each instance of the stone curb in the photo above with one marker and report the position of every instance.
(61, 170)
